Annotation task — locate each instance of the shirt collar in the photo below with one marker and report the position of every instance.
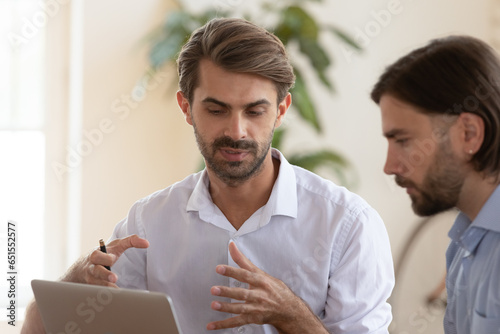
(200, 198)
(469, 234)
(488, 216)
(283, 199)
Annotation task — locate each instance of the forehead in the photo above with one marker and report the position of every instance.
(399, 116)
(232, 87)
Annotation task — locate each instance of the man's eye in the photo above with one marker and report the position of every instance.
(254, 113)
(401, 141)
(215, 111)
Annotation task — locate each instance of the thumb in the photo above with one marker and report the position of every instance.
(118, 246)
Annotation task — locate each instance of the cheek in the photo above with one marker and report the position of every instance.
(207, 135)
(420, 161)
(410, 161)
(263, 134)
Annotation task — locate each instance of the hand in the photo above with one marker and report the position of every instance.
(267, 300)
(90, 268)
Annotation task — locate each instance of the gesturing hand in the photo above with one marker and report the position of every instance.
(267, 300)
(90, 268)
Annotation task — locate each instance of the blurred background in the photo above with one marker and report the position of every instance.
(84, 133)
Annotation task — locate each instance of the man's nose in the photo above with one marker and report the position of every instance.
(236, 127)
(393, 164)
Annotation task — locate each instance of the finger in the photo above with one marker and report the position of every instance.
(232, 293)
(103, 259)
(119, 246)
(241, 260)
(239, 274)
(234, 308)
(97, 274)
(228, 323)
(101, 282)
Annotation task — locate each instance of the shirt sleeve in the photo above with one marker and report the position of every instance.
(362, 278)
(131, 266)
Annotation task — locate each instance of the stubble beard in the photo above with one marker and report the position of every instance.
(234, 173)
(441, 187)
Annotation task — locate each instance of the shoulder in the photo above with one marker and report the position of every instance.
(325, 191)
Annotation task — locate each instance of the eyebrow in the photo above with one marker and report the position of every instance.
(228, 106)
(395, 132)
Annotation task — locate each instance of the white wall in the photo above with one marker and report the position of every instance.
(149, 145)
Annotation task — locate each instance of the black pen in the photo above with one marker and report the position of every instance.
(103, 249)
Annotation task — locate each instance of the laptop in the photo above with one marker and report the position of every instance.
(82, 308)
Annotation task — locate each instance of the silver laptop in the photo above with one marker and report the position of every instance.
(82, 308)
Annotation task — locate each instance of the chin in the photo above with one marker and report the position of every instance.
(430, 210)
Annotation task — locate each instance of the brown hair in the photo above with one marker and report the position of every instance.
(235, 45)
(450, 76)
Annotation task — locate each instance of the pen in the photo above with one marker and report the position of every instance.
(103, 249)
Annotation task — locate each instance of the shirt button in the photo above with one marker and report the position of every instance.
(241, 330)
(237, 284)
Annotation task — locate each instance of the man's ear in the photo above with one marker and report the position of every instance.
(183, 103)
(282, 109)
(472, 134)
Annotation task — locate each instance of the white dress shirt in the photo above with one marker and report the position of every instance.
(326, 243)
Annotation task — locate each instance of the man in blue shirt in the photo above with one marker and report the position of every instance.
(440, 108)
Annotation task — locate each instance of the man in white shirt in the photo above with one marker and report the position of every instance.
(251, 242)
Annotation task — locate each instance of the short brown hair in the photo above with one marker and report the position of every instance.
(235, 45)
(450, 76)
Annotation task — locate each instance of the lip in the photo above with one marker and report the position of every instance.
(232, 154)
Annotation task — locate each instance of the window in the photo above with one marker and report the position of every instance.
(22, 142)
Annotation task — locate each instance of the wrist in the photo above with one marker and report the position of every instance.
(73, 274)
(301, 321)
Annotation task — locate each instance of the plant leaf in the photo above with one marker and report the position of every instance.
(279, 133)
(165, 50)
(303, 102)
(318, 58)
(322, 158)
(167, 42)
(344, 37)
(298, 23)
(319, 158)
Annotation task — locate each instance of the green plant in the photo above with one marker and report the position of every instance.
(294, 26)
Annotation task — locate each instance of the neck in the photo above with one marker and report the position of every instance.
(474, 194)
(239, 201)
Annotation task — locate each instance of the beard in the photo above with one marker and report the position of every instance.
(440, 189)
(233, 172)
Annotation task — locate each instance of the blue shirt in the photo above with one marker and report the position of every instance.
(473, 272)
